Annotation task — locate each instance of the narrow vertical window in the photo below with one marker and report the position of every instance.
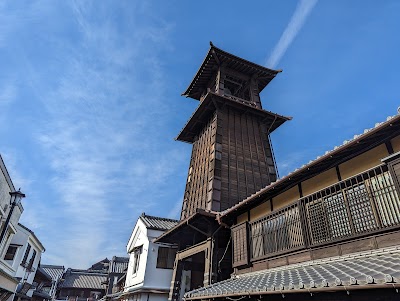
(28, 249)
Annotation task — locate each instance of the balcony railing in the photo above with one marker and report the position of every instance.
(354, 207)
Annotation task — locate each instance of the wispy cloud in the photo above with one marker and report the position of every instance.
(303, 9)
(8, 94)
(100, 136)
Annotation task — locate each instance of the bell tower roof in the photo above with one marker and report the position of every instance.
(242, 68)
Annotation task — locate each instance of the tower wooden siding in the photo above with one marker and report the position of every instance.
(247, 164)
(231, 159)
(201, 170)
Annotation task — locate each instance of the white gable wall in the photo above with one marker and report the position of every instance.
(148, 275)
(138, 238)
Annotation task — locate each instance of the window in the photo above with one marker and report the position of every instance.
(28, 249)
(166, 258)
(30, 264)
(136, 258)
(11, 251)
(361, 209)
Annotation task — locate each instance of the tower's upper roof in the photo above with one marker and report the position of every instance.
(214, 58)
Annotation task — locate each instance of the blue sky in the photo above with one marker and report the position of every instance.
(90, 99)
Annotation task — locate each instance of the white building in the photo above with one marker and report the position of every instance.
(23, 257)
(8, 282)
(150, 265)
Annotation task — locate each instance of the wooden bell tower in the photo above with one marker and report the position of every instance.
(232, 157)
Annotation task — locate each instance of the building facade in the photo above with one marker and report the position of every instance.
(149, 272)
(55, 272)
(8, 282)
(41, 285)
(116, 269)
(82, 285)
(330, 230)
(23, 256)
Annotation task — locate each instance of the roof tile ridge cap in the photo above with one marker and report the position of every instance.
(162, 218)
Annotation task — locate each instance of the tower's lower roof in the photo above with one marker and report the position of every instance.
(211, 102)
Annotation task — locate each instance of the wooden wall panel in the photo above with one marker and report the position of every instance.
(247, 164)
(240, 254)
(363, 162)
(396, 144)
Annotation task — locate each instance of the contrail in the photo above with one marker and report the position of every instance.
(303, 9)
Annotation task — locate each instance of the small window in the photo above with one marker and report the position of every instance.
(12, 250)
(30, 264)
(136, 259)
(166, 258)
(28, 249)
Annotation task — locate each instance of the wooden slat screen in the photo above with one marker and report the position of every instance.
(240, 245)
(277, 232)
(364, 203)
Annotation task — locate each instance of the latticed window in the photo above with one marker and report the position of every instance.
(317, 219)
(338, 219)
(386, 199)
(361, 208)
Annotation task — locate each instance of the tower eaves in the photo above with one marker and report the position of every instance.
(217, 57)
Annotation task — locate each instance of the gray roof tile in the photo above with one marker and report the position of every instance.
(158, 223)
(82, 279)
(367, 269)
(55, 271)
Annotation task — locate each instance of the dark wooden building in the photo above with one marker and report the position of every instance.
(82, 285)
(232, 158)
(330, 230)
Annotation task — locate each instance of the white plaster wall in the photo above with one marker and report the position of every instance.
(155, 277)
(148, 297)
(138, 238)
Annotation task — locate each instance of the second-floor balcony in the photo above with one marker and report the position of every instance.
(364, 204)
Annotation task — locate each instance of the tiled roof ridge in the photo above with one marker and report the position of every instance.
(159, 218)
(304, 166)
(50, 266)
(87, 272)
(117, 258)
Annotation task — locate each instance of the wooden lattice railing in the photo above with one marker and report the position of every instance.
(365, 203)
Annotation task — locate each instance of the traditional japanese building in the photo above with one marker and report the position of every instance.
(329, 230)
(232, 158)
